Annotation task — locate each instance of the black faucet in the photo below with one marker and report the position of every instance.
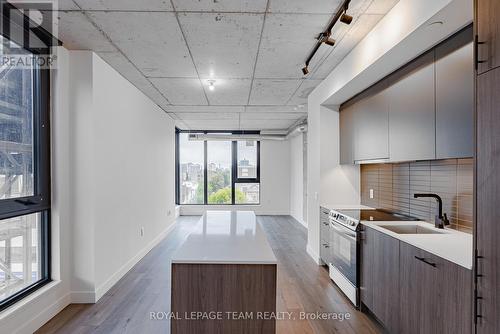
(440, 219)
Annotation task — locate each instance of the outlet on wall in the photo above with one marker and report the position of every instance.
(371, 193)
(142, 231)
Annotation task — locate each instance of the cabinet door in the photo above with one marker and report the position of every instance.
(386, 280)
(455, 97)
(435, 294)
(488, 30)
(372, 126)
(488, 197)
(412, 127)
(366, 265)
(380, 277)
(419, 300)
(347, 135)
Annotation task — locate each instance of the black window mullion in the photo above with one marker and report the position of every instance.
(205, 173)
(234, 170)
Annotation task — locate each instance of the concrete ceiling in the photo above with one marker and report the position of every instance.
(253, 49)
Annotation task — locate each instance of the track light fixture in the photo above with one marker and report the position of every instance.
(347, 19)
(325, 36)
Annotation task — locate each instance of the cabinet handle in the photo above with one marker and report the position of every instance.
(425, 261)
(326, 246)
(477, 43)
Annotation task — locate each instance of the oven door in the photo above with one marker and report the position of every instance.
(344, 250)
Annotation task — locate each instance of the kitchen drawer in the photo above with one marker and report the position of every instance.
(325, 252)
(324, 230)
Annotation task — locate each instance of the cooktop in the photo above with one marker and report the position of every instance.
(375, 215)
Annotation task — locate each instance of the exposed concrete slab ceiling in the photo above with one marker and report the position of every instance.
(253, 49)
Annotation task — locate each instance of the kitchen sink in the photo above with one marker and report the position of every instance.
(411, 229)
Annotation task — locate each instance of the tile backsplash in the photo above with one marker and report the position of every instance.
(393, 186)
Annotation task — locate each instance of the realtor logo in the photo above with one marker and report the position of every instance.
(27, 33)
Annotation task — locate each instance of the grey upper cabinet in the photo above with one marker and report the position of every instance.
(455, 97)
(347, 134)
(412, 126)
(423, 111)
(372, 126)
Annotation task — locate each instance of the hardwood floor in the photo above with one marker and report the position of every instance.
(302, 287)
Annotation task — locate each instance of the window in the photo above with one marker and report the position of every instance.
(247, 159)
(217, 171)
(24, 171)
(191, 173)
(219, 164)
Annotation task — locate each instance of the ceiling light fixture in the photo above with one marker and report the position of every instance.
(347, 19)
(211, 85)
(325, 36)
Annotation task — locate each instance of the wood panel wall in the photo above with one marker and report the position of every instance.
(394, 185)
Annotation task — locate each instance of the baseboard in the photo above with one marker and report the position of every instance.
(83, 297)
(101, 290)
(313, 254)
(33, 324)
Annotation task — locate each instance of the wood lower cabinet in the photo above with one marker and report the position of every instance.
(488, 199)
(412, 291)
(380, 277)
(488, 31)
(435, 295)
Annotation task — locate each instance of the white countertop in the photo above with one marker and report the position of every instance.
(226, 237)
(451, 245)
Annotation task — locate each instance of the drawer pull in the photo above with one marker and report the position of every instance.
(425, 261)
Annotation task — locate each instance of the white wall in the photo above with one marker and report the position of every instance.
(123, 174)
(400, 36)
(112, 172)
(274, 183)
(297, 178)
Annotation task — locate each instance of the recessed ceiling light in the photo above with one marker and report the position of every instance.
(211, 85)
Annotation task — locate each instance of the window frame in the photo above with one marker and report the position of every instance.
(40, 201)
(234, 166)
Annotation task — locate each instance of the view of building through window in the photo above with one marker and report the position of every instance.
(219, 172)
(191, 162)
(20, 257)
(247, 159)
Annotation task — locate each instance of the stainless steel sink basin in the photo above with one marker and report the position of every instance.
(411, 229)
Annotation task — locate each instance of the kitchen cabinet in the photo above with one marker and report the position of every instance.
(380, 277)
(324, 232)
(423, 111)
(371, 122)
(347, 134)
(455, 97)
(488, 31)
(488, 196)
(435, 295)
(412, 291)
(412, 127)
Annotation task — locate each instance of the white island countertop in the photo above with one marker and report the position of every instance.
(226, 237)
(451, 245)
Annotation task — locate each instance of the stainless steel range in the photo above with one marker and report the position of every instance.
(345, 228)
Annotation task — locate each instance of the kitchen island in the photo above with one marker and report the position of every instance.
(224, 277)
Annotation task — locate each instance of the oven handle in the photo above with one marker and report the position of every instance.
(343, 231)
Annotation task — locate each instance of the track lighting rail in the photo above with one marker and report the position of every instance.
(325, 36)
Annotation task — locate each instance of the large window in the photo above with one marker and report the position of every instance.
(24, 170)
(215, 171)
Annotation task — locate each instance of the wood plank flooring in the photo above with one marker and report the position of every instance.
(302, 287)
